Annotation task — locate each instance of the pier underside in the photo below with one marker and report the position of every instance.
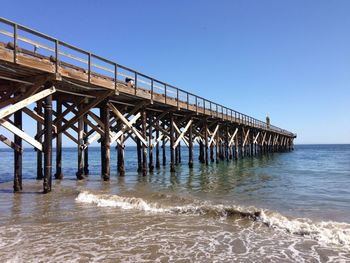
(70, 92)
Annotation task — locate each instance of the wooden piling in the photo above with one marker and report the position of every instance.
(144, 147)
(139, 155)
(80, 170)
(47, 182)
(163, 146)
(206, 142)
(150, 146)
(86, 150)
(121, 156)
(157, 146)
(39, 154)
(17, 181)
(217, 147)
(105, 142)
(190, 146)
(172, 154)
(201, 151)
(59, 174)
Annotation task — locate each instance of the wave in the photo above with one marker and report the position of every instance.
(324, 232)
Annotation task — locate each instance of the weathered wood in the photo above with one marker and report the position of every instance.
(105, 142)
(121, 162)
(172, 150)
(144, 146)
(217, 148)
(182, 134)
(163, 146)
(10, 143)
(25, 102)
(157, 145)
(17, 181)
(139, 155)
(86, 149)
(39, 155)
(127, 123)
(12, 128)
(59, 174)
(190, 145)
(80, 171)
(47, 182)
(150, 165)
(85, 110)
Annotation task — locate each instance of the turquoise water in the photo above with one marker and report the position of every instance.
(282, 207)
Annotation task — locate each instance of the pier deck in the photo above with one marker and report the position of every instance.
(88, 98)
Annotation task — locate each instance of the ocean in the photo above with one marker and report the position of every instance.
(282, 207)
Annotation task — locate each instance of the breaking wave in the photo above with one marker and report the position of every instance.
(330, 233)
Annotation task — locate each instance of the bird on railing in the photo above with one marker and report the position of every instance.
(129, 81)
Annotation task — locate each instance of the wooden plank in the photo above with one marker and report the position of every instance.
(37, 117)
(127, 123)
(25, 102)
(256, 137)
(12, 128)
(182, 134)
(179, 132)
(10, 143)
(246, 137)
(233, 137)
(84, 110)
(213, 135)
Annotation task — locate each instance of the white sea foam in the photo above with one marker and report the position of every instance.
(324, 232)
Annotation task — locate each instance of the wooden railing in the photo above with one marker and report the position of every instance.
(60, 52)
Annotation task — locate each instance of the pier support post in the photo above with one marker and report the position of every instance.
(236, 147)
(150, 146)
(144, 148)
(206, 142)
(139, 155)
(163, 146)
(217, 147)
(157, 146)
(190, 146)
(80, 170)
(121, 163)
(105, 142)
(59, 174)
(201, 151)
(211, 152)
(176, 150)
(86, 150)
(47, 182)
(226, 144)
(179, 152)
(17, 181)
(39, 154)
(172, 154)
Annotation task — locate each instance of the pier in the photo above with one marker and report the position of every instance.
(88, 98)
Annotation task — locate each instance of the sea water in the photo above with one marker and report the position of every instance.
(281, 207)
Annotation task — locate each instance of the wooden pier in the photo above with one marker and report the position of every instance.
(88, 98)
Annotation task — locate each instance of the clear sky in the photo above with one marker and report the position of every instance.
(287, 59)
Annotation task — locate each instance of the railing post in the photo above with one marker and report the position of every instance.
(165, 93)
(135, 83)
(188, 100)
(89, 68)
(15, 43)
(177, 98)
(204, 106)
(151, 91)
(196, 105)
(116, 91)
(56, 55)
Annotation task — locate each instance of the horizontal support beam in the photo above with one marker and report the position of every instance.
(25, 102)
(12, 128)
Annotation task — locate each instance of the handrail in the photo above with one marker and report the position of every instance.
(206, 108)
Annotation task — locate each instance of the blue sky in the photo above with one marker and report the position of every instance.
(287, 59)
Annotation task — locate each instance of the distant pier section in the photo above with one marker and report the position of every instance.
(88, 98)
